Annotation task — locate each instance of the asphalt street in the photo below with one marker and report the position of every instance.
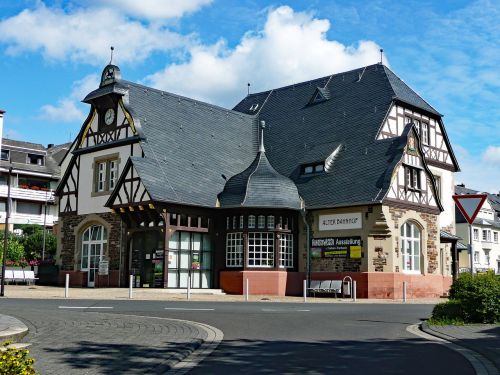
(263, 337)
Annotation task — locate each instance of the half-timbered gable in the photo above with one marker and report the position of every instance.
(67, 190)
(430, 128)
(130, 192)
(412, 182)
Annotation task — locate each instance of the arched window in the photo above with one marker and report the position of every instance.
(410, 247)
(94, 245)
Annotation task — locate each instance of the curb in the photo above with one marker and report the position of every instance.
(199, 352)
(480, 364)
(15, 330)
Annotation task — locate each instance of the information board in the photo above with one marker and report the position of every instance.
(336, 247)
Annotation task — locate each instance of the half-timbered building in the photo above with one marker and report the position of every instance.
(352, 176)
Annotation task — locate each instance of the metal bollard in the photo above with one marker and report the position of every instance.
(189, 288)
(130, 286)
(305, 291)
(354, 289)
(66, 286)
(246, 289)
(404, 291)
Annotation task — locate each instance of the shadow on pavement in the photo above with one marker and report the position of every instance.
(94, 358)
(404, 356)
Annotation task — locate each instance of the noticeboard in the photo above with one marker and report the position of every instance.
(103, 267)
(337, 247)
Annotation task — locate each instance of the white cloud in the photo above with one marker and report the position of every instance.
(292, 47)
(69, 109)
(85, 34)
(492, 154)
(157, 9)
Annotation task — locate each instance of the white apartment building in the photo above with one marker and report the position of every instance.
(485, 234)
(34, 176)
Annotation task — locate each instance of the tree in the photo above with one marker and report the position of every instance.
(15, 248)
(33, 245)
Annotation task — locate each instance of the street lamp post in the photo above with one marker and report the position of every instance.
(44, 225)
(6, 234)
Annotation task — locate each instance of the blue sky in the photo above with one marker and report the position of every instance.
(52, 53)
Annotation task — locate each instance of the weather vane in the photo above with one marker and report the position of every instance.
(111, 60)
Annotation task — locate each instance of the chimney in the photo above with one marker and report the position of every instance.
(50, 145)
(461, 185)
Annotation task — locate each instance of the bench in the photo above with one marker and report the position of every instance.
(325, 286)
(22, 276)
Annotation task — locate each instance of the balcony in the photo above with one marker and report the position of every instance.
(28, 194)
(16, 218)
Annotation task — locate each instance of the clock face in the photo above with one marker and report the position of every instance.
(109, 116)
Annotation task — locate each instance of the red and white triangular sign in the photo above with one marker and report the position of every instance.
(469, 205)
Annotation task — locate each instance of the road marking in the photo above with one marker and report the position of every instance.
(85, 307)
(281, 310)
(187, 309)
(303, 310)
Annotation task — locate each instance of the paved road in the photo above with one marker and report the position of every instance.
(258, 337)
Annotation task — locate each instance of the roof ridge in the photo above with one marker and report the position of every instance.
(215, 106)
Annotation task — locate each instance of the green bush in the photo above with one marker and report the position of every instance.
(450, 312)
(479, 297)
(15, 248)
(15, 361)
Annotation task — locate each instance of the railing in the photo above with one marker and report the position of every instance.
(16, 218)
(27, 194)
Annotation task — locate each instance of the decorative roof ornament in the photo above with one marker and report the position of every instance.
(262, 127)
(111, 73)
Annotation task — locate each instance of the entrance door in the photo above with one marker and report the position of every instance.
(147, 258)
(190, 258)
(94, 242)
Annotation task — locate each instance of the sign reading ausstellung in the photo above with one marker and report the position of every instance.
(336, 247)
(340, 221)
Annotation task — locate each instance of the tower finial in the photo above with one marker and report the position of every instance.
(248, 88)
(262, 126)
(111, 60)
(381, 55)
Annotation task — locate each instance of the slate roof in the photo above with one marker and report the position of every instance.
(298, 133)
(52, 156)
(188, 144)
(260, 185)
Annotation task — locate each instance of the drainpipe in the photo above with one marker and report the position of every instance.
(308, 247)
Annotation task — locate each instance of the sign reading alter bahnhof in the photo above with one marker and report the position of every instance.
(336, 247)
(340, 221)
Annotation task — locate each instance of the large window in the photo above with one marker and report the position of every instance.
(106, 175)
(260, 249)
(286, 250)
(28, 208)
(410, 247)
(234, 250)
(425, 133)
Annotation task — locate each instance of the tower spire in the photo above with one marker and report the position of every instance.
(111, 59)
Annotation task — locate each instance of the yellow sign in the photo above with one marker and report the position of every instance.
(355, 252)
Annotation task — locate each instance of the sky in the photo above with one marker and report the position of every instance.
(52, 54)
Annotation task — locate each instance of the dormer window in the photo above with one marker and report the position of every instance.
(320, 95)
(309, 169)
(412, 177)
(35, 159)
(254, 107)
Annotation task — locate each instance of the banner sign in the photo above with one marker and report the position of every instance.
(336, 247)
(340, 221)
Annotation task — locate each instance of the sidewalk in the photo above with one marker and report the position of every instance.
(480, 338)
(11, 329)
(50, 292)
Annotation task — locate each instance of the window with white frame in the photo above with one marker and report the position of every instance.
(486, 235)
(438, 185)
(242, 222)
(262, 222)
(475, 234)
(106, 175)
(113, 174)
(234, 250)
(234, 222)
(251, 221)
(94, 243)
(260, 249)
(286, 250)
(495, 237)
(425, 133)
(412, 177)
(476, 256)
(270, 222)
(410, 247)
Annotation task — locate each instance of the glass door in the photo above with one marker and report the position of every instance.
(189, 258)
(94, 242)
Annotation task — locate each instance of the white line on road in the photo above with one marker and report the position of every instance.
(281, 310)
(303, 310)
(85, 307)
(187, 309)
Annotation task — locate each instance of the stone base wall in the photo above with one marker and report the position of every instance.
(72, 227)
(278, 283)
(336, 265)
